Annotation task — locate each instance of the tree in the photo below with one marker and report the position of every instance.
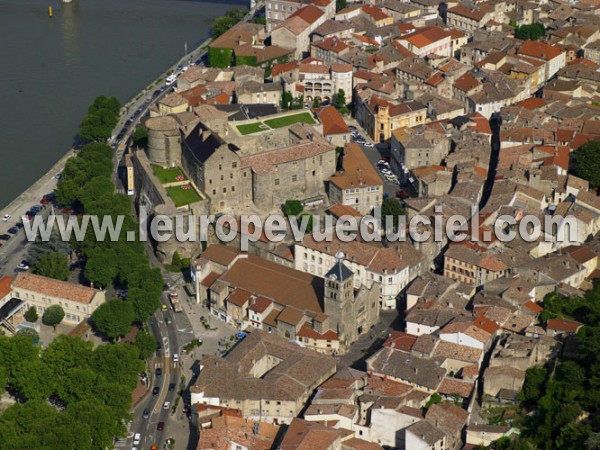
(114, 318)
(391, 207)
(53, 315)
(102, 118)
(340, 4)
(31, 314)
(587, 163)
(221, 24)
(29, 333)
(140, 137)
(340, 99)
(316, 102)
(52, 265)
(535, 378)
(531, 32)
(286, 100)
(293, 207)
(176, 261)
(101, 266)
(146, 343)
(433, 400)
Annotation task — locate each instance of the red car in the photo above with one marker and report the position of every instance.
(160, 426)
(401, 194)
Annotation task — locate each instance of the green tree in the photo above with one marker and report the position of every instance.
(340, 99)
(102, 118)
(31, 314)
(293, 207)
(53, 315)
(587, 163)
(316, 102)
(286, 100)
(221, 24)
(140, 137)
(55, 244)
(52, 265)
(29, 333)
(114, 318)
(535, 378)
(391, 207)
(101, 266)
(433, 400)
(146, 343)
(176, 261)
(340, 4)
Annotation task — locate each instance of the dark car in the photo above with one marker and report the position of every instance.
(146, 413)
(171, 386)
(156, 389)
(158, 372)
(19, 225)
(160, 426)
(4, 237)
(13, 230)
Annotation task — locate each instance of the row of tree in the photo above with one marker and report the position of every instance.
(86, 185)
(70, 394)
(221, 24)
(101, 119)
(532, 31)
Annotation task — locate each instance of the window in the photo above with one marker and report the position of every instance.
(294, 178)
(214, 192)
(276, 181)
(224, 190)
(232, 188)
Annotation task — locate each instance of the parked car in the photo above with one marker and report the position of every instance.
(24, 265)
(369, 145)
(401, 193)
(164, 307)
(5, 217)
(4, 237)
(13, 230)
(137, 438)
(168, 320)
(156, 390)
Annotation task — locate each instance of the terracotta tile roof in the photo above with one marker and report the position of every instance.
(221, 254)
(314, 68)
(426, 36)
(259, 304)
(448, 417)
(435, 79)
(531, 103)
(586, 62)
(400, 341)
(386, 387)
(332, 44)
(228, 428)
(466, 82)
(263, 163)
(568, 326)
(5, 283)
(310, 13)
(360, 444)
(454, 386)
(534, 307)
(239, 297)
(305, 435)
(286, 286)
(459, 352)
(462, 10)
(332, 120)
(467, 328)
(540, 50)
(358, 171)
(291, 316)
(284, 68)
(374, 12)
(470, 372)
(339, 210)
(54, 288)
(308, 332)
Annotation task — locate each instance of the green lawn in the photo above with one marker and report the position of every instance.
(285, 121)
(166, 175)
(250, 128)
(182, 196)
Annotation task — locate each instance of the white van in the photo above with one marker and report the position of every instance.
(171, 79)
(137, 438)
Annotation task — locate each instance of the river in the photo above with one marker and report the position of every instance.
(53, 68)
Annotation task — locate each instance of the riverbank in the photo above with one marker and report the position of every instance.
(47, 182)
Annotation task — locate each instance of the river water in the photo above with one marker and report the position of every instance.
(51, 69)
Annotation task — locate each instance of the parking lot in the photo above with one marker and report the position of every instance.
(379, 156)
